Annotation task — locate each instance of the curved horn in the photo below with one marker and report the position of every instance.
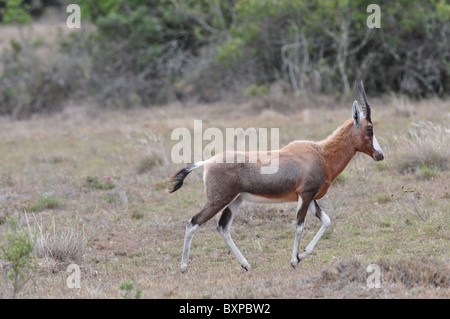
(363, 100)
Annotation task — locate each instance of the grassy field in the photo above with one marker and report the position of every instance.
(89, 186)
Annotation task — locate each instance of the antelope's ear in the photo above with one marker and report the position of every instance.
(356, 113)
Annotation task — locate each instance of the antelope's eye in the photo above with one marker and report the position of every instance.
(370, 130)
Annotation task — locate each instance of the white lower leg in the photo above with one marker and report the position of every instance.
(298, 234)
(227, 237)
(226, 234)
(190, 230)
(325, 223)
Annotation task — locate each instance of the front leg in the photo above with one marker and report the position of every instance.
(325, 223)
(298, 233)
(302, 208)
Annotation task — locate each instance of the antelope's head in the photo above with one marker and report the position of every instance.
(365, 140)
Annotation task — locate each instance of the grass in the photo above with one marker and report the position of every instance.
(418, 273)
(95, 182)
(137, 214)
(132, 228)
(425, 148)
(153, 153)
(47, 201)
(426, 172)
(341, 178)
(61, 245)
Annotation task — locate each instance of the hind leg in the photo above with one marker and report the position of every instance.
(224, 229)
(190, 230)
(325, 223)
(208, 211)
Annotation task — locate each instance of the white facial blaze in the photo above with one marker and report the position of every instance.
(376, 146)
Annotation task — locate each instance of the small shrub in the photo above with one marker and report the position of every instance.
(46, 201)
(255, 90)
(424, 271)
(17, 249)
(137, 215)
(385, 224)
(154, 154)
(425, 145)
(425, 172)
(95, 182)
(60, 245)
(127, 287)
(149, 160)
(413, 272)
(345, 272)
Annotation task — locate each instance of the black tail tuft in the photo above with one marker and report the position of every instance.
(179, 177)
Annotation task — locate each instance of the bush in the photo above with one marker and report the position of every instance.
(95, 182)
(148, 52)
(127, 287)
(23, 10)
(414, 272)
(17, 248)
(60, 245)
(208, 49)
(30, 84)
(255, 90)
(152, 151)
(144, 47)
(46, 201)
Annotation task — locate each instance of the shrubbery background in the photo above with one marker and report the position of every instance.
(147, 52)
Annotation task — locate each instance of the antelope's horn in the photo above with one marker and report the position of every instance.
(363, 100)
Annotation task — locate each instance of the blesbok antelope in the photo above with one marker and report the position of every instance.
(305, 172)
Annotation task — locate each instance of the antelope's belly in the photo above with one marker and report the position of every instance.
(265, 199)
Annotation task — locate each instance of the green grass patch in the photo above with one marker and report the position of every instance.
(426, 172)
(385, 224)
(381, 166)
(137, 214)
(46, 201)
(95, 182)
(341, 178)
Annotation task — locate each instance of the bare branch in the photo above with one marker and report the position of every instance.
(362, 44)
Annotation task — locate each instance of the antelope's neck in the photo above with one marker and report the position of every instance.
(338, 149)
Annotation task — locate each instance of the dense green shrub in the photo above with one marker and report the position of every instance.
(146, 52)
(321, 45)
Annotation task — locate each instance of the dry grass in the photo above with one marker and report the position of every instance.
(403, 274)
(152, 151)
(62, 245)
(417, 272)
(136, 230)
(425, 145)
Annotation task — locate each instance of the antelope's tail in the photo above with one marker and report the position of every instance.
(179, 177)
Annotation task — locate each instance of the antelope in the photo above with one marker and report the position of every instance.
(306, 170)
